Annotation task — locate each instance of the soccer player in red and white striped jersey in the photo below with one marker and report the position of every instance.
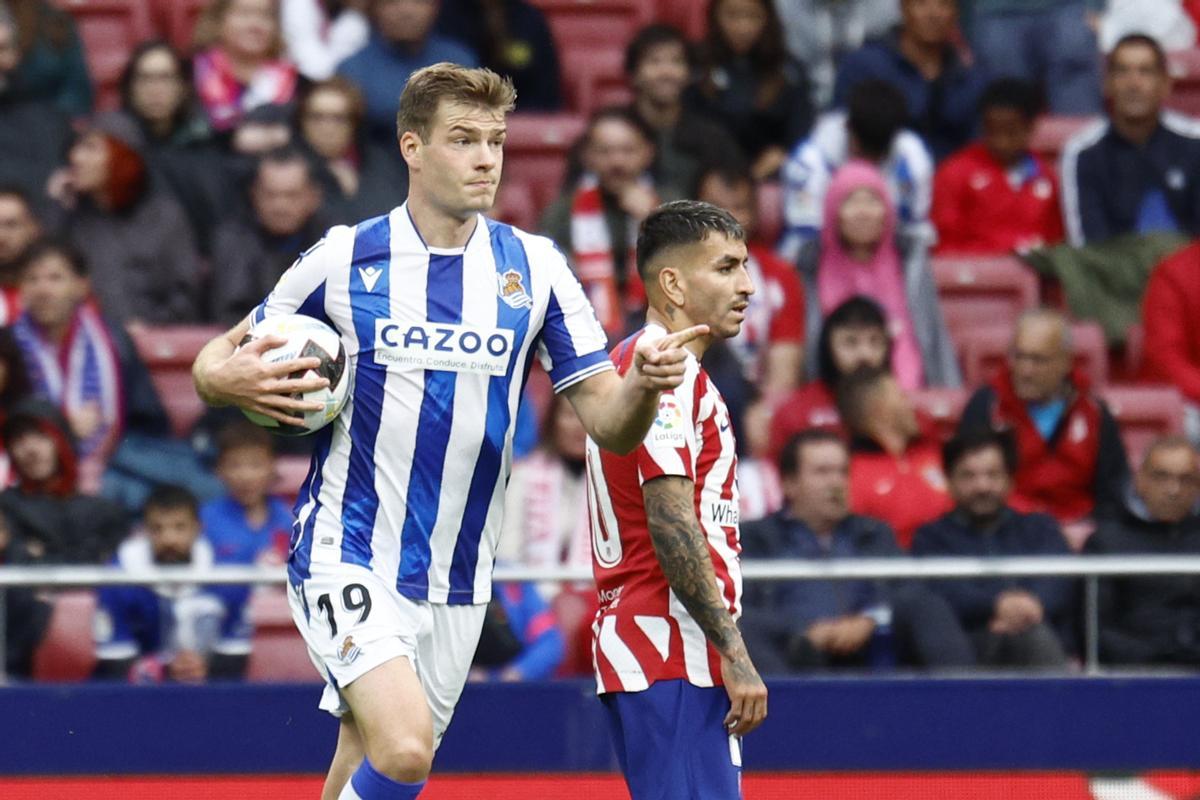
(668, 654)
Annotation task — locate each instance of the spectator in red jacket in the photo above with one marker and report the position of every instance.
(895, 467)
(1171, 316)
(995, 196)
(853, 336)
(770, 346)
(1072, 462)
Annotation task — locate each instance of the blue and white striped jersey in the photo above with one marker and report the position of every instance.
(409, 480)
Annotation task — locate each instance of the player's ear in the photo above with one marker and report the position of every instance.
(671, 285)
(410, 147)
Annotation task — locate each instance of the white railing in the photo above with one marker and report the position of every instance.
(1090, 568)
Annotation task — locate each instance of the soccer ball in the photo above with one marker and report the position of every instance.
(306, 337)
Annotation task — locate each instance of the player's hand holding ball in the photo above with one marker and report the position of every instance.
(661, 363)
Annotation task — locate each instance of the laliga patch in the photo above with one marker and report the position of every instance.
(442, 346)
(512, 290)
(668, 424)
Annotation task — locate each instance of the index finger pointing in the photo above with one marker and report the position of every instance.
(680, 338)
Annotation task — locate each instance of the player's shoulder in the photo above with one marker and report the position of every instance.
(540, 251)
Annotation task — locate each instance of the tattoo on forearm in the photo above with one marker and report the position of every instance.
(684, 558)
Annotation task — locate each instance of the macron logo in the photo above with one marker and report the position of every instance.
(370, 276)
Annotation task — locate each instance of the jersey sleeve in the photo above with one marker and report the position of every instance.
(301, 288)
(571, 345)
(670, 446)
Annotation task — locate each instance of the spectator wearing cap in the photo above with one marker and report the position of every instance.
(46, 510)
(513, 38)
(1148, 619)
(402, 41)
(141, 250)
(1171, 319)
(250, 254)
(920, 58)
(28, 159)
(871, 128)
(240, 64)
(895, 467)
(996, 196)
(1138, 171)
(658, 66)
(51, 63)
(853, 336)
(1013, 622)
(1071, 460)
(751, 85)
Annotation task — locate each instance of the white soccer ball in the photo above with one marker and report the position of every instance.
(306, 337)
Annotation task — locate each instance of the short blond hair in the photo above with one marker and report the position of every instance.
(428, 87)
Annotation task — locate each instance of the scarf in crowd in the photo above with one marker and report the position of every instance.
(840, 276)
(592, 247)
(84, 370)
(226, 99)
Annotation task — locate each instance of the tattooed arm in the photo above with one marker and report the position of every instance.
(685, 561)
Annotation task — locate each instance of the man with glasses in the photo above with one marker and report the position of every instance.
(1071, 462)
(1153, 619)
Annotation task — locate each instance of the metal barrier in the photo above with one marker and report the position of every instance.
(1090, 568)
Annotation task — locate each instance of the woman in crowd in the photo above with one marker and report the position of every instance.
(858, 254)
(750, 84)
(52, 65)
(141, 251)
(363, 180)
(240, 62)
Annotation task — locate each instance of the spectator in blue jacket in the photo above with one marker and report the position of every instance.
(402, 42)
(920, 59)
(1013, 622)
(519, 641)
(804, 625)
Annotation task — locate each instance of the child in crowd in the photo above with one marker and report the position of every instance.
(247, 525)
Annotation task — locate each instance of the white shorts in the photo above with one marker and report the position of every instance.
(373, 623)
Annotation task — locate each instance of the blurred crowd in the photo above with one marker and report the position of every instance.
(860, 143)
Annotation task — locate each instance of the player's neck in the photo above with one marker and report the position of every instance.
(437, 228)
(673, 319)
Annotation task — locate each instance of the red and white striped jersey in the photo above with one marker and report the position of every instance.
(642, 633)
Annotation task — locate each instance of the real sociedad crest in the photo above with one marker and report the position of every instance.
(512, 290)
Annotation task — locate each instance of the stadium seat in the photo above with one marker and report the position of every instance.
(1144, 413)
(1185, 81)
(1135, 349)
(177, 19)
(536, 151)
(278, 652)
(594, 77)
(515, 205)
(67, 652)
(988, 290)
(109, 29)
(983, 350)
(168, 351)
(770, 212)
(594, 23)
(290, 474)
(1051, 133)
(690, 16)
(942, 406)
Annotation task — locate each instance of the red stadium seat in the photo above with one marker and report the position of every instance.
(67, 652)
(984, 349)
(1051, 133)
(943, 406)
(536, 150)
(1185, 81)
(690, 16)
(594, 77)
(1135, 349)
(990, 291)
(770, 212)
(290, 474)
(278, 652)
(109, 30)
(168, 352)
(515, 205)
(177, 19)
(1144, 413)
(594, 23)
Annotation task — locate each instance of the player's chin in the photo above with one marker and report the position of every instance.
(729, 327)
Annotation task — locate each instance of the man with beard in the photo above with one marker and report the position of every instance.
(179, 633)
(1012, 621)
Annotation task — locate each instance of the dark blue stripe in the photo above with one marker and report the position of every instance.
(564, 361)
(360, 502)
(509, 254)
(443, 303)
(301, 555)
(314, 306)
